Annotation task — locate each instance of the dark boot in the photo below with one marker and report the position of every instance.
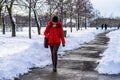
(54, 69)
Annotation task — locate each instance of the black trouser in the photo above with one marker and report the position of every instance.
(54, 50)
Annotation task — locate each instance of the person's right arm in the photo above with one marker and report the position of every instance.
(46, 32)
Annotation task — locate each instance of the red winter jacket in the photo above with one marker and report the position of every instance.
(54, 34)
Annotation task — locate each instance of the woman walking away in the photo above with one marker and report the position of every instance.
(54, 34)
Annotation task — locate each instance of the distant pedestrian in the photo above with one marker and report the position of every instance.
(118, 26)
(55, 35)
(102, 26)
(105, 26)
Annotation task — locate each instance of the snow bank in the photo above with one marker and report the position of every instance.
(19, 54)
(110, 62)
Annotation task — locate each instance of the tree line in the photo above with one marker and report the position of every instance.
(78, 12)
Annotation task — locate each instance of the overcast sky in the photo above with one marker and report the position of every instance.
(107, 8)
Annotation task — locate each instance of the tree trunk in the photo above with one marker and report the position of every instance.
(85, 16)
(9, 8)
(62, 11)
(3, 21)
(70, 23)
(12, 22)
(37, 22)
(78, 22)
(30, 19)
(65, 23)
(0, 10)
(50, 10)
(71, 15)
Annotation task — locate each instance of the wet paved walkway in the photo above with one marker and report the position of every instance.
(77, 64)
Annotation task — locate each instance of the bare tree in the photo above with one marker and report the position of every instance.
(1, 5)
(87, 11)
(70, 12)
(79, 11)
(9, 5)
(32, 5)
(41, 5)
(61, 9)
(53, 7)
(74, 10)
(36, 16)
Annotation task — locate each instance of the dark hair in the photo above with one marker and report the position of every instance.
(55, 19)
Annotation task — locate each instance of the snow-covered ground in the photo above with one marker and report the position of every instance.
(19, 54)
(110, 62)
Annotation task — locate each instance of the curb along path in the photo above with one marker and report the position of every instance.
(77, 64)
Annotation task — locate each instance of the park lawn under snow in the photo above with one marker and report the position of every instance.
(19, 54)
(110, 62)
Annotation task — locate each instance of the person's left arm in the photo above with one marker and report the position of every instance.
(62, 34)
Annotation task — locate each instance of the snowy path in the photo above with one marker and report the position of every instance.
(77, 64)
